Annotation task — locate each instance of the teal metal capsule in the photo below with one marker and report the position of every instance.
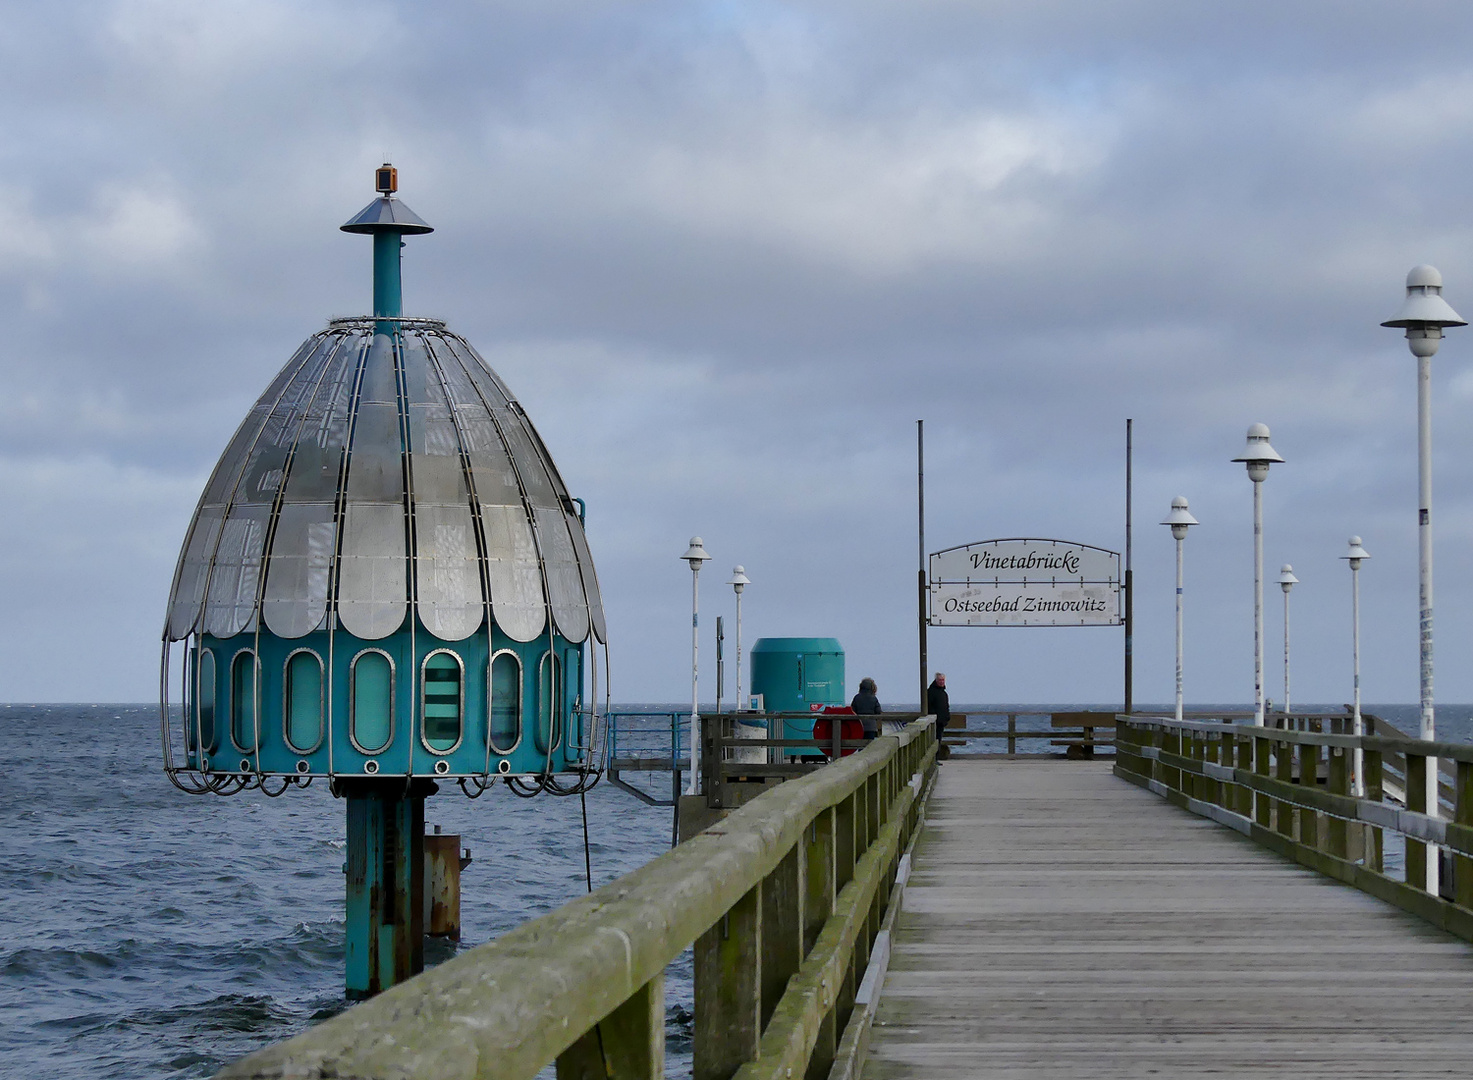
(386, 585)
(795, 674)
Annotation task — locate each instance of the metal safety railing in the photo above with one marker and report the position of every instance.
(1301, 794)
(784, 902)
(642, 743)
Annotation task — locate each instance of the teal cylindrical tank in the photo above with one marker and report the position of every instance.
(795, 673)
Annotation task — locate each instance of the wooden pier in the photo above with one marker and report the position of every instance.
(1060, 922)
(1221, 900)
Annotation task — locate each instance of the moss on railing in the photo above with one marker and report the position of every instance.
(583, 985)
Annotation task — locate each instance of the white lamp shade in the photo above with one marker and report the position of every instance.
(1424, 306)
(1356, 553)
(1258, 451)
(696, 553)
(1180, 519)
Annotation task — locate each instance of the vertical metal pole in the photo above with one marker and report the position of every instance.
(1358, 726)
(921, 551)
(1258, 602)
(384, 936)
(741, 704)
(1424, 581)
(1129, 583)
(720, 663)
(1287, 709)
(1178, 631)
(695, 671)
(674, 779)
(388, 290)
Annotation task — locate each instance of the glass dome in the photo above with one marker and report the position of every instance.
(385, 576)
(374, 476)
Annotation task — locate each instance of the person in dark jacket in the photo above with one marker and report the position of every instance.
(866, 705)
(937, 703)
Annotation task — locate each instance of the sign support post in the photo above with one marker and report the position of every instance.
(1129, 584)
(922, 593)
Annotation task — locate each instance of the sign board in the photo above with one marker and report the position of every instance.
(1024, 582)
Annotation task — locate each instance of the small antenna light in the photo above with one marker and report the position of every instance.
(386, 179)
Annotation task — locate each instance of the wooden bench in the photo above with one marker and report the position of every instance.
(1084, 746)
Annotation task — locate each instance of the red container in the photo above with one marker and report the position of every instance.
(851, 728)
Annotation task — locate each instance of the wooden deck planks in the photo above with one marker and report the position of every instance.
(1060, 922)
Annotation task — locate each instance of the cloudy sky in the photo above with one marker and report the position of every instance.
(727, 255)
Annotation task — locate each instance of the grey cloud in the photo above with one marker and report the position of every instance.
(726, 255)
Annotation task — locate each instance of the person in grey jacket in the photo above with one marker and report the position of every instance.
(867, 705)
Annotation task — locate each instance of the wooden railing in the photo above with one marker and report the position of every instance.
(784, 901)
(1292, 791)
(1078, 731)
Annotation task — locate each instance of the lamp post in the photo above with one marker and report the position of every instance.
(738, 582)
(1180, 520)
(1354, 557)
(695, 555)
(1258, 455)
(1287, 581)
(1424, 315)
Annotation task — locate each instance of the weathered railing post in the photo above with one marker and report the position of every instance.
(782, 929)
(863, 836)
(1463, 815)
(1337, 837)
(1283, 809)
(1217, 791)
(728, 985)
(1192, 781)
(878, 802)
(846, 822)
(1309, 768)
(1012, 734)
(1416, 799)
(1227, 795)
(1161, 740)
(1232, 794)
(1375, 792)
(1263, 749)
(628, 1045)
(1243, 746)
(818, 905)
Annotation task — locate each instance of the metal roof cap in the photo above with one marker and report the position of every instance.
(696, 553)
(387, 215)
(1424, 306)
(1258, 451)
(1356, 553)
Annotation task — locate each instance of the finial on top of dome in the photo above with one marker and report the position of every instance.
(386, 213)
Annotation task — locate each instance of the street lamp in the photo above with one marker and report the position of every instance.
(738, 582)
(1258, 455)
(1180, 520)
(1354, 557)
(1287, 581)
(695, 555)
(1424, 315)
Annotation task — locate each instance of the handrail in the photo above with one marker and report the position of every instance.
(1266, 783)
(781, 899)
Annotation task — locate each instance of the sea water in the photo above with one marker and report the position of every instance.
(149, 933)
